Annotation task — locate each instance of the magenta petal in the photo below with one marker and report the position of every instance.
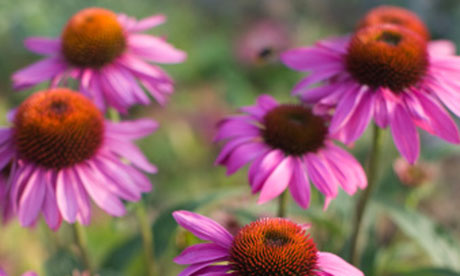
(148, 23)
(205, 252)
(243, 155)
(216, 270)
(131, 129)
(349, 165)
(43, 45)
(441, 122)
(32, 198)
(380, 109)
(441, 47)
(266, 102)
(195, 269)
(236, 126)
(230, 147)
(264, 167)
(38, 72)
(345, 108)
(204, 228)
(405, 134)
(336, 266)
(65, 195)
(277, 181)
(132, 153)
(154, 49)
(300, 185)
(447, 92)
(321, 175)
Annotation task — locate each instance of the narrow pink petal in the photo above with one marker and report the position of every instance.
(336, 266)
(142, 68)
(131, 152)
(65, 195)
(243, 155)
(204, 228)
(380, 110)
(101, 196)
(349, 164)
(38, 72)
(43, 45)
(216, 270)
(258, 173)
(83, 201)
(266, 102)
(154, 49)
(131, 129)
(233, 127)
(321, 175)
(310, 58)
(31, 201)
(205, 252)
(405, 134)
(277, 181)
(442, 124)
(313, 78)
(441, 47)
(50, 209)
(345, 108)
(300, 185)
(194, 270)
(148, 23)
(230, 147)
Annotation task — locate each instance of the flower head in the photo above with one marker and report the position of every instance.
(384, 72)
(106, 53)
(287, 145)
(63, 153)
(396, 16)
(269, 246)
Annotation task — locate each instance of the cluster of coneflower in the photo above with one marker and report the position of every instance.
(60, 152)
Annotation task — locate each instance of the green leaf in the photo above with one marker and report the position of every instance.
(442, 248)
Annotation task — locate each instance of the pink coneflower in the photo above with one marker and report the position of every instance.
(287, 145)
(385, 72)
(269, 246)
(107, 54)
(64, 153)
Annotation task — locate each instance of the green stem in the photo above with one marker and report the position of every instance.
(282, 205)
(82, 244)
(372, 169)
(147, 238)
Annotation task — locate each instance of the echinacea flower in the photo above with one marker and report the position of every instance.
(28, 273)
(268, 246)
(287, 145)
(107, 54)
(385, 72)
(64, 153)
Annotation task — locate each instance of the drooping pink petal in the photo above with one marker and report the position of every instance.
(50, 209)
(154, 49)
(300, 185)
(230, 147)
(199, 253)
(405, 134)
(43, 45)
(349, 163)
(83, 201)
(441, 47)
(234, 127)
(345, 108)
(336, 266)
(131, 152)
(38, 72)
(262, 167)
(277, 181)
(204, 228)
(447, 91)
(31, 201)
(243, 155)
(148, 23)
(65, 195)
(321, 175)
(380, 109)
(131, 129)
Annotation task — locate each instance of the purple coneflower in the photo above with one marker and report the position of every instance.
(287, 145)
(385, 72)
(268, 246)
(63, 153)
(107, 54)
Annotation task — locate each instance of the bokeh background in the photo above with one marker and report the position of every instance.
(412, 227)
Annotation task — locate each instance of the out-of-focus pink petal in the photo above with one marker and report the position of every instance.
(38, 72)
(43, 45)
(243, 155)
(154, 49)
(321, 175)
(148, 23)
(31, 201)
(66, 196)
(131, 129)
(336, 266)
(405, 134)
(441, 47)
(204, 228)
(205, 252)
(277, 181)
(262, 167)
(300, 185)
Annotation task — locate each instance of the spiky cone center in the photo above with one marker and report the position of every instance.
(273, 246)
(294, 129)
(387, 56)
(395, 15)
(58, 128)
(93, 37)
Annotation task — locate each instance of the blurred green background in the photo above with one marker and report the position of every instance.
(412, 229)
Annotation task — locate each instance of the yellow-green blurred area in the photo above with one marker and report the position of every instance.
(410, 229)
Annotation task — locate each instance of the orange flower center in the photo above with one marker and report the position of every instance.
(93, 38)
(58, 128)
(273, 246)
(395, 15)
(294, 129)
(387, 56)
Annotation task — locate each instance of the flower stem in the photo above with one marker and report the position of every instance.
(372, 168)
(82, 244)
(282, 205)
(147, 238)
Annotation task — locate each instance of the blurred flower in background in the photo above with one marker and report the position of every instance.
(261, 42)
(414, 175)
(106, 53)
